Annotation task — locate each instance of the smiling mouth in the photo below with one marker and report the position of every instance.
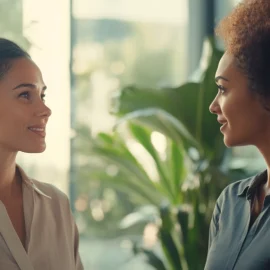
(39, 131)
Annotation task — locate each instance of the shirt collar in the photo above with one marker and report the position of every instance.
(29, 182)
(248, 188)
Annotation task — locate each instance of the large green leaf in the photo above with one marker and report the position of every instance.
(127, 163)
(114, 148)
(144, 137)
(176, 169)
(172, 100)
(162, 121)
(170, 240)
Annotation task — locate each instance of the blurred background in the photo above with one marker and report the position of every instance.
(130, 140)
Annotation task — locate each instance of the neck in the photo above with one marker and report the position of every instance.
(266, 154)
(8, 179)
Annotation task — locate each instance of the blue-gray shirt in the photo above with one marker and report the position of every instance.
(233, 244)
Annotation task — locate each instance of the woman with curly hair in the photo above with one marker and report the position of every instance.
(239, 235)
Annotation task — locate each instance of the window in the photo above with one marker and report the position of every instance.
(47, 41)
(119, 43)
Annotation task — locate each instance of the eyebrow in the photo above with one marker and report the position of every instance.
(221, 78)
(29, 85)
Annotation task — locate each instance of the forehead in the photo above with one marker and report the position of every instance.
(23, 70)
(226, 65)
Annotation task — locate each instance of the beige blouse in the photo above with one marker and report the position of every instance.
(51, 233)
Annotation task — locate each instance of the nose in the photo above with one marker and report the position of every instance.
(214, 106)
(43, 111)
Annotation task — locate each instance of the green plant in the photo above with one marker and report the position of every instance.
(189, 172)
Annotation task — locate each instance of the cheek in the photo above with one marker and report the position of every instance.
(230, 110)
(12, 120)
(246, 123)
(239, 108)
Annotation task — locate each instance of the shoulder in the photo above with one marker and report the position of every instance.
(55, 195)
(53, 200)
(52, 195)
(45, 190)
(238, 187)
(235, 190)
(50, 190)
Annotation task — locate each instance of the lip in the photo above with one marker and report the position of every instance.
(222, 121)
(39, 130)
(223, 126)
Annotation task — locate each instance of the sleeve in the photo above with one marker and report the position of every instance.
(214, 225)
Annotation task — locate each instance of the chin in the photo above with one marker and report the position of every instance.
(227, 144)
(34, 149)
(231, 142)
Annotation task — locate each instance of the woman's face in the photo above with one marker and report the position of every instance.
(23, 114)
(243, 118)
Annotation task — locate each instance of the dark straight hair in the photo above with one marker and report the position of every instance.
(9, 51)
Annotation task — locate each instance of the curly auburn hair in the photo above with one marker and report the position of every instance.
(246, 35)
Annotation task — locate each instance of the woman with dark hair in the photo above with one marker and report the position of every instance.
(37, 229)
(240, 227)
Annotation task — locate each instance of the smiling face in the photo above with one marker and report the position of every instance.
(23, 114)
(244, 120)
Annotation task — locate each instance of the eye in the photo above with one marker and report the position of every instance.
(24, 95)
(43, 97)
(221, 89)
